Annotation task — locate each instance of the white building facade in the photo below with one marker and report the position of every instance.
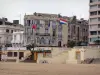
(18, 39)
(6, 30)
(48, 31)
(94, 21)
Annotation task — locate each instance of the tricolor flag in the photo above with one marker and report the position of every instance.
(63, 21)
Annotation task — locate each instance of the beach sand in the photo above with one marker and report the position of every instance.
(48, 69)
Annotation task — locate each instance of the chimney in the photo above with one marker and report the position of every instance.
(15, 21)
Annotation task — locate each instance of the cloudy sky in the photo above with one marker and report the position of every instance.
(13, 8)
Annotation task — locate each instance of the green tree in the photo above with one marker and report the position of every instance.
(31, 48)
(97, 42)
(71, 44)
(79, 43)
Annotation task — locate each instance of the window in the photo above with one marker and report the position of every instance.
(84, 38)
(48, 55)
(94, 26)
(60, 36)
(99, 32)
(78, 33)
(42, 22)
(59, 28)
(98, 25)
(93, 13)
(38, 39)
(28, 22)
(49, 42)
(7, 30)
(98, 12)
(1, 22)
(38, 21)
(91, 1)
(11, 31)
(21, 38)
(68, 36)
(93, 32)
(15, 54)
(90, 39)
(93, 20)
(94, 39)
(9, 54)
(35, 21)
(53, 25)
(46, 30)
(54, 33)
(83, 30)
(53, 40)
(14, 37)
(86, 30)
(42, 40)
(74, 29)
(93, 6)
(99, 19)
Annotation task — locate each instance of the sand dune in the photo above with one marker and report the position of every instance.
(48, 69)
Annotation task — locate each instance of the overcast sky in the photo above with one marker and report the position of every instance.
(13, 8)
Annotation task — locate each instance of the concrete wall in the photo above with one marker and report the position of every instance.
(72, 56)
(26, 53)
(58, 55)
(84, 54)
(92, 53)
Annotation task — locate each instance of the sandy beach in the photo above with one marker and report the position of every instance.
(48, 69)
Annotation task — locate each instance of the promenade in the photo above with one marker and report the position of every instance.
(48, 69)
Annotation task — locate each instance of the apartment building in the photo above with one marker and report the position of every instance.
(78, 30)
(48, 31)
(6, 30)
(94, 21)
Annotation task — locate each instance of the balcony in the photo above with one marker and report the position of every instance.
(94, 3)
(92, 23)
(44, 34)
(94, 9)
(12, 27)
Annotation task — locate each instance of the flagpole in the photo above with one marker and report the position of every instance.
(20, 18)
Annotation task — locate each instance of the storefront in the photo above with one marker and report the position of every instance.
(45, 53)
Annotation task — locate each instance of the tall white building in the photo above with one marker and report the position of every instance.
(94, 21)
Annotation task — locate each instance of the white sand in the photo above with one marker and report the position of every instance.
(48, 69)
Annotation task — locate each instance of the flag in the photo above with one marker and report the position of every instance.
(34, 26)
(63, 21)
